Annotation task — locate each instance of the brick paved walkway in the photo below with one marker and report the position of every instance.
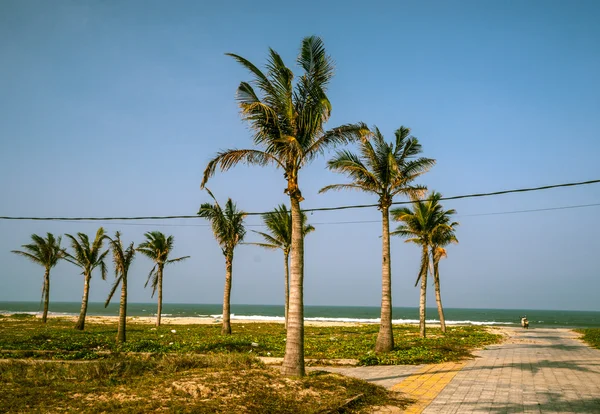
(533, 371)
(385, 375)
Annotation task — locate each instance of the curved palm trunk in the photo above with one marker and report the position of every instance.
(422, 301)
(286, 264)
(438, 295)
(46, 295)
(121, 333)
(160, 296)
(293, 360)
(226, 330)
(385, 338)
(84, 302)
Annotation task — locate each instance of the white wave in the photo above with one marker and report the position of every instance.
(476, 323)
(355, 320)
(6, 312)
(37, 313)
(258, 318)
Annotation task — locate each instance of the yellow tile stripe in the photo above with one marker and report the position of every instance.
(426, 383)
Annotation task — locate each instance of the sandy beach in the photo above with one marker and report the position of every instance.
(188, 320)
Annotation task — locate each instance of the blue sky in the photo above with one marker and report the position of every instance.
(115, 108)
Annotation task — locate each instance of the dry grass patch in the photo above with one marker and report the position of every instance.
(181, 383)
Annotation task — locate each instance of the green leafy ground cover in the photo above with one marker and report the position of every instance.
(591, 336)
(193, 368)
(181, 383)
(57, 340)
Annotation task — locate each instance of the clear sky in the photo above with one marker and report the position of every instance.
(114, 108)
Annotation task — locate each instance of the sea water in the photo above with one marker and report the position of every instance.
(364, 314)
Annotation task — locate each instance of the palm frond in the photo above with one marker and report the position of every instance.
(352, 165)
(227, 224)
(230, 158)
(338, 187)
(100, 262)
(314, 60)
(153, 275)
(113, 290)
(264, 245)
(33, 257)
(179, 259)
(260, 79)
(273, 240)
(308, 229)
(424, 267)
(341, 135)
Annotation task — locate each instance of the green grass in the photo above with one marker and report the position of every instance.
(180, 383)
(591, 336)
(58, 340)
(53, 367)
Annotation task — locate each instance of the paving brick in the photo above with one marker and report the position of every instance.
(533, 371)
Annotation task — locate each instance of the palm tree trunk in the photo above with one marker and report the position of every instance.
(160, 296)
(121, 333)
(286, 265)
(46, 295)
(438, 295)
(226, 330)
(422, 301)
(293, 360)
(385, 338)
(80, 325)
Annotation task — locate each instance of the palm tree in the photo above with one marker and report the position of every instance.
(279, 224)
(157, 248)
(386, 170)
(87, 257)
(45, 252)
(288, 121)
(441, 238)
(122, 259)
(421, 225)
(228, 229)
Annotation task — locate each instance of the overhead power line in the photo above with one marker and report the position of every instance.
(475, 195)
(529, 211)
(362, 221)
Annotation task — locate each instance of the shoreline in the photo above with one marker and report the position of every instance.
(189, 320)
(208, 313)
(197, 320)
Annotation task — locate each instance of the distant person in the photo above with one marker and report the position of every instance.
(524, 322)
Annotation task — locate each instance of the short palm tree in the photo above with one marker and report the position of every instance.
(157, 248)
(88, 257)
(228, 229)
(387, 170)
(288, 120)
(279, 236)
(421, 224)
(45, 252)
(122, 258)
(441, 238)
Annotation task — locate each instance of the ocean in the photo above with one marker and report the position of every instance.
(364, 314)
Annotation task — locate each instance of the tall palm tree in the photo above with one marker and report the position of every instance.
(122, 259)
(228, 229)
(440, 239)
(279, 236)
(421, 224)
(157, 248)
(45, 252)
(88, 257)
(386, 170)
(288, 121)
